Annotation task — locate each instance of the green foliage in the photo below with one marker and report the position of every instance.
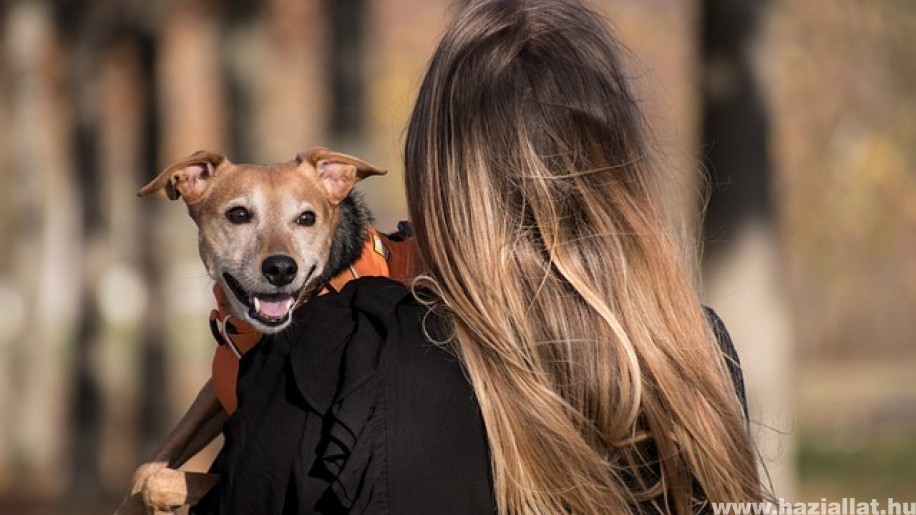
(876, 469)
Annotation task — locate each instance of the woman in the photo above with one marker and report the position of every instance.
(558, 360)
(536, 211)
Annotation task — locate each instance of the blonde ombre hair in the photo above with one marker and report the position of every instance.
(537, 218)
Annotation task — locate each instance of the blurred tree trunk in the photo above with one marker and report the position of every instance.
(86, 410)
(346, 72)
(44, 271)
(735, 125)
(122, 143)
(113, 135)
(743, 275)
(243, 26)
(154, 405)
(284, 67)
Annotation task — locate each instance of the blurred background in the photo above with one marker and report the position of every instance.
(801, 114)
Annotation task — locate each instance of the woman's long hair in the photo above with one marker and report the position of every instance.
(537, 219)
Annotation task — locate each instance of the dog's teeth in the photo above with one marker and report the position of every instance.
(257, 304)
(289, 304)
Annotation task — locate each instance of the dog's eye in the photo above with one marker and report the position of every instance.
(306, 219)
(238, 215)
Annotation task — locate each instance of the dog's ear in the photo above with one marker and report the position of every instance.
(337, 172)
(187, 178)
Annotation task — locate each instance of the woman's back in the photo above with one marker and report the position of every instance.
(536, 206)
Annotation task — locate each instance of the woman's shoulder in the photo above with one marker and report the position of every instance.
(434, 423)
(408, 338)
(425, 418)
(372, 325)
(402, 325)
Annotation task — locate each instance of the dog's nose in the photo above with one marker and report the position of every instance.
(279, 269)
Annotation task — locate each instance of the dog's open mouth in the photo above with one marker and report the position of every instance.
(271, 309)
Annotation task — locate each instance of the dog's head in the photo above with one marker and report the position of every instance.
(264, 231)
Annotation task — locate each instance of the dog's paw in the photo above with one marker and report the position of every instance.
(165, 489)
(133, 503)
(168, 489)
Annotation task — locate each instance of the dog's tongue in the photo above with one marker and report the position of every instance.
(274, 307)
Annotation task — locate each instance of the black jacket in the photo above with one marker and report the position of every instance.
(353, 410)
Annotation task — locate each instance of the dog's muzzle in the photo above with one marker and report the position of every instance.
(272, 309)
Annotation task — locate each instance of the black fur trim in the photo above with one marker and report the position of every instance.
(348, 239)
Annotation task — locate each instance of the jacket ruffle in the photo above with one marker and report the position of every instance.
(309, 434)
(339, 378)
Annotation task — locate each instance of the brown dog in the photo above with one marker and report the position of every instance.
(272, 236)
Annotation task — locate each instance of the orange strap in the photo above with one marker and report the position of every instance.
(381, 256)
